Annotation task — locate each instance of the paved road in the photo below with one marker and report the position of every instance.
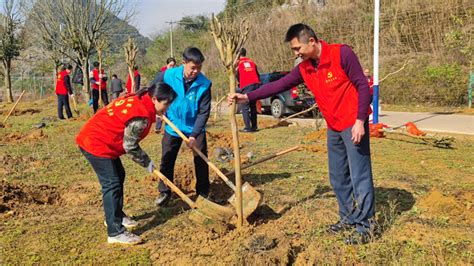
(434, 122)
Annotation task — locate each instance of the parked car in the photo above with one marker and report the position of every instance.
(290, 101)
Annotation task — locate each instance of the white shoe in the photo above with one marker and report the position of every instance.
(127, 222)
(125, 238)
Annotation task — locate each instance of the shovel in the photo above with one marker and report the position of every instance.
(75, 104)
(251, 198)
(206, 208)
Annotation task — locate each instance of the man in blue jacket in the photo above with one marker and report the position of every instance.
(189, 112)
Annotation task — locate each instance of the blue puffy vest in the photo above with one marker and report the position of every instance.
(184, 109)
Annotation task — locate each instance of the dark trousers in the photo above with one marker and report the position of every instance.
(170, 146)
(350, 174)
(63, 100)
(95, 98)
(116, 94)
(249, 110)
(111, 176)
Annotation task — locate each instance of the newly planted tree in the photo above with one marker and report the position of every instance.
(131, 51)
(229, 38)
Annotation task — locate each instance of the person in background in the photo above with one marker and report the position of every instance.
(96, 79)
(137, 79)
(189, 113)
(370, 80)
(170, 63)
(249, 80)
(116, 86)
(334, 75)
(112, 132)
(63, 90)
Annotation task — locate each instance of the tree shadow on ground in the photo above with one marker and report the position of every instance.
(259, 179)
(390, 204)
(265, 213)
(160, 215)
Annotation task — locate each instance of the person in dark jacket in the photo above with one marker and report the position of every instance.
(189, 112)
(63, 90)
(116, 86)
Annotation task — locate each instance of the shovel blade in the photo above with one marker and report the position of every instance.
(213, 210)
(251, 199)
(207, 223)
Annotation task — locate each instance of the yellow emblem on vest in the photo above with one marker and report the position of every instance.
(330, 78)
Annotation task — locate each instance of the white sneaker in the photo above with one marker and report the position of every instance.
(125, 238)
(127, 222)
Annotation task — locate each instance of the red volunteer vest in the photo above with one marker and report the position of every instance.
(247, 72)
(129, 81)
(102, 135)
(336, 96)
(103, 84)
(60, 86)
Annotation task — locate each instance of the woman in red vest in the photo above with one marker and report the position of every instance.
(114, 131)
(334, 75)
(136, 81)
(63, 88)
(249, 80)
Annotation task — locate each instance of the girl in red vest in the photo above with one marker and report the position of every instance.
(96, 79)
(334, 75)
(114, 131)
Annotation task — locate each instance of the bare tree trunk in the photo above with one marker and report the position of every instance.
(8, 82)
(85, 77)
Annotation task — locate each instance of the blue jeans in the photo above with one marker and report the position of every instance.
(111, 176)
(350, 174)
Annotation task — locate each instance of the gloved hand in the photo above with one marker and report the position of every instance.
(150, 167)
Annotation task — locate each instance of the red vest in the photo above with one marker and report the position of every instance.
(129, 81)
(247, 72)
(336, 96)
(102, 135)
(103, 84)
(60, 86)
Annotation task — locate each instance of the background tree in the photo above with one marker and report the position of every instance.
(80, 25)
(10, 42)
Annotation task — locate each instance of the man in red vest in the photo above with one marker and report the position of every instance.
(96, 80)
(137, 79)
(114, 131)
(63, 88)
(334, 75)
(249, 80)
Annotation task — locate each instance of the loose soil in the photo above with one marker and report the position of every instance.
(16, 137)
(16, 196)
(19, 112)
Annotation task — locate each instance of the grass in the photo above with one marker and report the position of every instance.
(419, 226)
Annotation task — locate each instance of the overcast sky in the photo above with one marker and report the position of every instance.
(152, 14)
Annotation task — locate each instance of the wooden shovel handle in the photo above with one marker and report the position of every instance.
(13, 108)
(271, 156)
(175, 189)
(211, 165)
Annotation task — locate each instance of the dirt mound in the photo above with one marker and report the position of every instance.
(316, 148)
(13, 197)
(184, 177)
(224, 139)
(17, 137)
(316, 135)
(18, 112)
(449, 207)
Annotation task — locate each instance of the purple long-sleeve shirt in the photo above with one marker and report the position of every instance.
(349, 63)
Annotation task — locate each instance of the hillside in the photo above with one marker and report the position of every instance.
(433, 38)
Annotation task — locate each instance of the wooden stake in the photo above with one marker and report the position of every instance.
(14, 106)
